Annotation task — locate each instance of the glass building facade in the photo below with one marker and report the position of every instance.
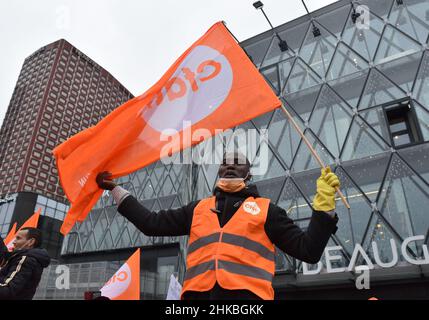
(357, 85)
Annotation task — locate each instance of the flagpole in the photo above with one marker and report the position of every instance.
(313, 152)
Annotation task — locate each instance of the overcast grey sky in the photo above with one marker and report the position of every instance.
(135, 40)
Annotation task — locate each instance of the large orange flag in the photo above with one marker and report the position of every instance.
(125, 283)
(31, 222)
(212, 86)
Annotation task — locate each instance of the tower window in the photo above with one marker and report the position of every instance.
(402, 124)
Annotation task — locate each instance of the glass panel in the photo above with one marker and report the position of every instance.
(418, 158)
(283, 136)
(283, 262)
(85, 232)
(402, 139)
(394, 45)
(211, 173)
(335, 20)
(167, 187)
(42, 199)
(293, 202)
(403, 196)
(267, 165)
(166, 201)
(368, 174)
(304, 160)
(9, 212)
(70, 243)
(272, 77)
(116, 228)
(423, 120)
(379, 90)
(317, 51)
(345, 62)
(203, 189)
(262, 121)
(52, 203)
(411, 18)
(303, 102)
(275, 55)
(148, 191)
(380, 233)
(400, 126)
(402, 71)
(364, 40)
(134, 235)
(350, 87)
(90, 244)
(61, 207)
(270, 188)
(331, 120)
(421, 89)
(257, 50)
(49, 212)
(379, 7)
(100, 230)
(125, 240)
(301, 77)
(362, 142)
(137, 178)
(285, 68)
(294, 36)
(353, 221)
(377, 120)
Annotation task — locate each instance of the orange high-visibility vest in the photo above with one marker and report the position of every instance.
(239, 256)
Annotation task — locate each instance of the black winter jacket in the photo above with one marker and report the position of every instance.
(21, 271)
(306, 246)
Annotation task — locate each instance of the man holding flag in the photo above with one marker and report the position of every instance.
(212, 86)
(233, 233)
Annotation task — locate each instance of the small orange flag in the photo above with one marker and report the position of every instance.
(11, 235)
(212, 86)
(31, 222)
(125, 283)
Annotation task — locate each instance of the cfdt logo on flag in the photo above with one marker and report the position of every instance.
(187, 98)
(118, 283)
(125, 283)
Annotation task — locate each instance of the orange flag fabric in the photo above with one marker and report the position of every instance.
(10, 236)
(125, 283)
(212, 86)
(31, 222)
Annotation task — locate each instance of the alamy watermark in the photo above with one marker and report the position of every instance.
(251, 143)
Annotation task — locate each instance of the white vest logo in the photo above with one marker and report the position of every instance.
(252, 208)
(198, 87)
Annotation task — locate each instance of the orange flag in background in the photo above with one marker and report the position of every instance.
(125, 283)
(31, 222)
(10, 236)
(212, 86)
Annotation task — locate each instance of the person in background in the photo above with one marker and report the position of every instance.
(21, 269)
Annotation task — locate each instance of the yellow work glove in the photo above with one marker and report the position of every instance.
(325, 195)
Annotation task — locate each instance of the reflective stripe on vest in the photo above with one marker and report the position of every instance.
(234, 240)
(249, 271)
(237, 268)
(199, 269)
